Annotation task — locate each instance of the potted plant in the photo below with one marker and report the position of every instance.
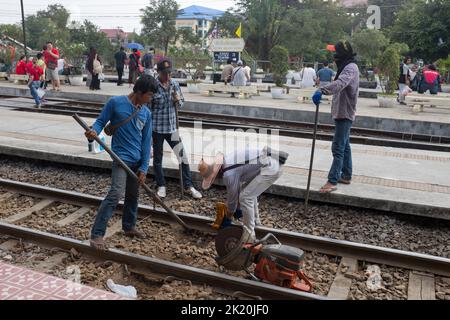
(279, 57)
(389, 71)
(74, 54)
(194, 64)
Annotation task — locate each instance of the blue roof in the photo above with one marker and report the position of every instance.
(198, 12)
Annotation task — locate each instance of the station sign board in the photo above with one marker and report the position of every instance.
(224, 56)
(227, 45)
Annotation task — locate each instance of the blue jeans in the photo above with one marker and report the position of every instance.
(158, 143)
(342, 153)
(433, 87)
(121, 183)
(33, 88)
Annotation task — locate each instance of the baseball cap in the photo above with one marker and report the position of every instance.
(164, 66)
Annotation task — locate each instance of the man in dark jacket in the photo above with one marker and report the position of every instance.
(121, 58)
(344, 89)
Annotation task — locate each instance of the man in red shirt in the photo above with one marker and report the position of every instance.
(51, 56)
(430, 80)
(35, 72)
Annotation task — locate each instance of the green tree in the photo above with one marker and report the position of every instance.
(371, 49)
(263, 20)
(424, 26)
(88, 35)
(158, 20)
(389, 67)
(12, 30)
(48, 25)
(304, 27)
(312, 24)
(279, 57)
(193, 60)
(444, 65)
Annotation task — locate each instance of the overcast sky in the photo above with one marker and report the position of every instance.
(104, 13)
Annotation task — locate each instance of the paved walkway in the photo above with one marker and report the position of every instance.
(18, 283)
(399, 180)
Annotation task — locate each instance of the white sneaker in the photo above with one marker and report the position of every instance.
(195, 194)
(161, 192)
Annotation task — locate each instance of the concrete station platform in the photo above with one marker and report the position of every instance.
(397, 180)
(400, 118)
(18, 283)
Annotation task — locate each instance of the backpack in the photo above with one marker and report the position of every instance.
(97, 67)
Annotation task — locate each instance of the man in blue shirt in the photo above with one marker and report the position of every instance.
(131, 141)
(324, 75)
(164, 104)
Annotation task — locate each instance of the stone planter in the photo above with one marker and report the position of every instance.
(386, 101)
(193, 87)
(259, 77)
(76, 80)
(277, 92)
(208, 74)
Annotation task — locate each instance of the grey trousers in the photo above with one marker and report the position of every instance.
(248, 198)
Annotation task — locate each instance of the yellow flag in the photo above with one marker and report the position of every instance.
(239, 30)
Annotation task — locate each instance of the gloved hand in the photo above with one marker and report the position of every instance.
(317, 96)
(238, 214)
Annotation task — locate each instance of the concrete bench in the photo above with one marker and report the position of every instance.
(18, 77)
(3, 75)
(305, 95)
(419, 101)
(261, 87)
(243, 91)
(23, 78)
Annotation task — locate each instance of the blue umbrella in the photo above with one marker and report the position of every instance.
(134, 45)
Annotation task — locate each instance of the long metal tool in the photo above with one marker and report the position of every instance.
(180, 161)
(313, 146)
(130, 172)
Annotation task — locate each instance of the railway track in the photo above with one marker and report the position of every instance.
(349, 254)
(281, 127)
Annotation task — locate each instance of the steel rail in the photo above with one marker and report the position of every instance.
(284, 128)
(158, 266)
(342, 248)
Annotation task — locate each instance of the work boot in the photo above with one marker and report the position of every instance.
(161, 192)
(133, 232)
(98, 243)
(220, 214)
